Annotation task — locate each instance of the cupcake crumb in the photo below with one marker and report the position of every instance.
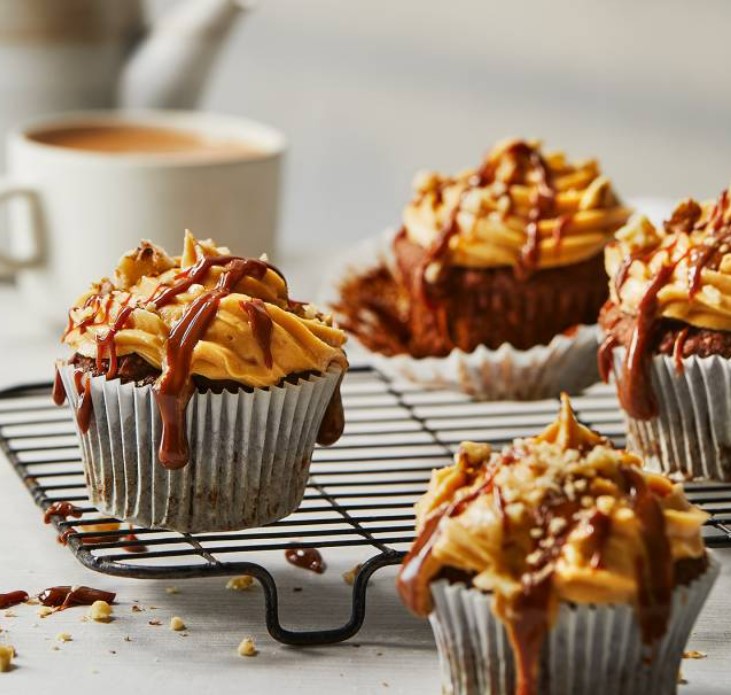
(242, 583)
(101, 612)
(351, 574)
(154, 622)
(248, 647)
(694, 654)
(177, 624)
(7, 654)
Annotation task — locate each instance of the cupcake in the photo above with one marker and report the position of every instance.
(557, 566)
(199, 389)
(494, 277)
(667, 339)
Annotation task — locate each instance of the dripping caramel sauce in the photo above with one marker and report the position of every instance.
(175, 387)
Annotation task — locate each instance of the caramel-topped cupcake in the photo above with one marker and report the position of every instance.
(509, 253)
(668, 336)
(214, 373)
(537, 562)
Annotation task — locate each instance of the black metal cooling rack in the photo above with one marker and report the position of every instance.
(361, 491)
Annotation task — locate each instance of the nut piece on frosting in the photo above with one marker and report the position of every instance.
(563, 516)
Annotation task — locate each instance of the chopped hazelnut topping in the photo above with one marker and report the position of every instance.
(177, 624)
(431, 274)
(556, 525)
(7, 654)
(248, 647)
(242, 583)
(100, 611)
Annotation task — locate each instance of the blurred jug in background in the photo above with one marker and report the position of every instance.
(62, 55)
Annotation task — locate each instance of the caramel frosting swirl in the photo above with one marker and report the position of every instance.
(692, 251)
(520, 208)
(562, 516)
(256, 337)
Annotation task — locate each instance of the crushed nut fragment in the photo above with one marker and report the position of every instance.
(248, 647)
(100, 611)
(172, 590)
(351, 574)
(136, 608)
(7, 654)
(177, 624)
(45, 611)
(154, 622)
(242, 583)
(63, 637)
(694, 654)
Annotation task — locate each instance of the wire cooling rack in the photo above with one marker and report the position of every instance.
(361, 491)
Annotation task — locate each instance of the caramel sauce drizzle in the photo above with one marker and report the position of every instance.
(12, 598)
(58, 394)
(107, 346)
(84, 407)
(306, 558)
(175, 386)
(605, 358)
(62, 510)
(63, 597)
(678, 349)
(261, 327)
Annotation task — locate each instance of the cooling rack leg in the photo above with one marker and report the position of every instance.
(310, 638)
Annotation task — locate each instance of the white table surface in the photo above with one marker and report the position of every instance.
(393, 653)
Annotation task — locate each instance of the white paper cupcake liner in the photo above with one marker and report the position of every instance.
(691, 435)
(590, 650)
(567, 363)
(249, 453)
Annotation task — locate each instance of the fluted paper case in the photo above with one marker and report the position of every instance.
(249, 461)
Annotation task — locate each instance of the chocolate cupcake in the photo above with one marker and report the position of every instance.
(506, 257)
(668, 337)
(557, 566)
(199, 389)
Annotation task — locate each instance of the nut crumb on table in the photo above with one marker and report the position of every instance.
(177, 624)
(351, 574)
(172, 590)
(242, 583)
(7, 654)
(694, 654)
(100, 611)
(248, 647)
(64, 637)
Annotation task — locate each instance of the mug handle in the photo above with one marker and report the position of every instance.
(10, 189)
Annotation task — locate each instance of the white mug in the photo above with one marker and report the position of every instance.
(74, 212)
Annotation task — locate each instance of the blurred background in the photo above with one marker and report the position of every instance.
(369, 91)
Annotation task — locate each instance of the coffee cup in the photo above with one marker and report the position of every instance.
(83, 188)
